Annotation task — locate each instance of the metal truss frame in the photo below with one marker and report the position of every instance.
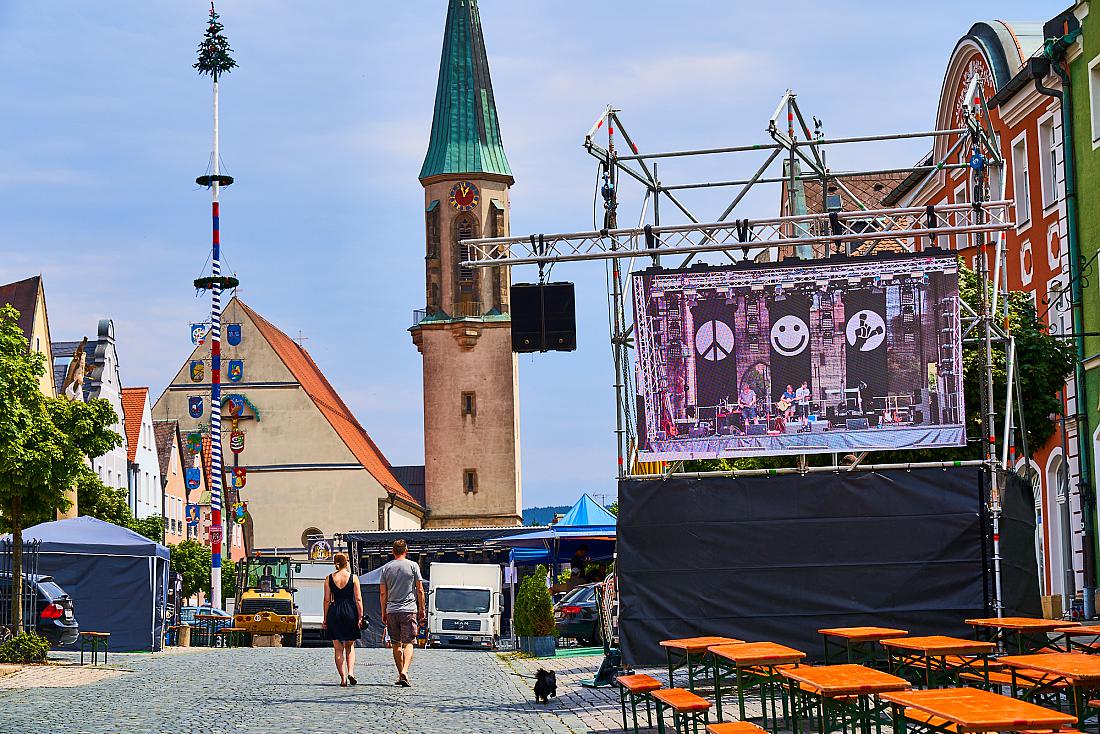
(802, 152)
(747, 239)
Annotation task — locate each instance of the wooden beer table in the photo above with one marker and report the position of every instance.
(860, 645)
(961, 710)
(840, 694)
(691, 653)
(937, 661)
(1045, 677)
(752, 665)
(1080, 630)
(1020, 635)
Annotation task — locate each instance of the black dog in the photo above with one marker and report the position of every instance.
(546, 686)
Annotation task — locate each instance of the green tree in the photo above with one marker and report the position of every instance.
(96, 499)
(44, 442)
(151, 527)
(191, 559)
(229, 580)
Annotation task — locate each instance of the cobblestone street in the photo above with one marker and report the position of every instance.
(289, 691)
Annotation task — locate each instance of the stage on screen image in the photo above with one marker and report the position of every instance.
(814, 357)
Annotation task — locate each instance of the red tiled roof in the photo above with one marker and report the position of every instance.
(870, 188)
(325, 397)
(133, 408)
(165, 433)
(23, 297)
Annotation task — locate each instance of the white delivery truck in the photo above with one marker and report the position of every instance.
(464, 605)
(309, 580)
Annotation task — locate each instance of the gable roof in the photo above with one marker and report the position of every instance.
(133, 409)
(63, 353)
(329, 403)
(22, 295)
(165, 433)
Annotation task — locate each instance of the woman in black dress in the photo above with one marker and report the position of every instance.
(343, 610)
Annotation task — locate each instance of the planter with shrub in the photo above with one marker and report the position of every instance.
(534, 616)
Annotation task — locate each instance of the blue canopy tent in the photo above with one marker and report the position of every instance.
(118, 580)
(586, 524)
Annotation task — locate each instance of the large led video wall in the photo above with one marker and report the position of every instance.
(799, 357)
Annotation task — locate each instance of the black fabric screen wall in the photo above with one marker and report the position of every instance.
(777, 558)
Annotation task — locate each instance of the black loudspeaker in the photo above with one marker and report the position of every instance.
(756, 429)
(544, 317)
(857, 424)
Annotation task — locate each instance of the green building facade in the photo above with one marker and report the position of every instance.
(1084, 70)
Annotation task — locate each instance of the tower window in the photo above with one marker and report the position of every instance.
(469, 481)
(432, 225)
(464, 231)
(469, 403)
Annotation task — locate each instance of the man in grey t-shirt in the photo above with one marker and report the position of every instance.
(403, 607)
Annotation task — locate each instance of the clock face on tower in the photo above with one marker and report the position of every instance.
(464, 196)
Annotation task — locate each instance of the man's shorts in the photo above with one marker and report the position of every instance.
(402, 627)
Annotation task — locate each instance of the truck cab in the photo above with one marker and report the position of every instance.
(464, 605)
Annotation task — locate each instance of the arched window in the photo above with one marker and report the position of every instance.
(465, 229)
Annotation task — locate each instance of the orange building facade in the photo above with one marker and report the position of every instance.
(1027, 127)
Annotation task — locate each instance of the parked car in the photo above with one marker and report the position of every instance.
(577, 616)
(187, 614)
(55, 617)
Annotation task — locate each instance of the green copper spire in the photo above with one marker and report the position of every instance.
(465, 131)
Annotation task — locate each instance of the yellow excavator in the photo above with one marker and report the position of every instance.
(265, 598)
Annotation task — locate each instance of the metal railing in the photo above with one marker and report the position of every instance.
(29, 595)
(460, 310)
(467, 309)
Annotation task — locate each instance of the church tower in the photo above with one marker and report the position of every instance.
(471, 385)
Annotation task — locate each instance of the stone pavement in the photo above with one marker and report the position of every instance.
(283, 690)
(595, 709)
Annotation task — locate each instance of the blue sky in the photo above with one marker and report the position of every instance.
(324, 126)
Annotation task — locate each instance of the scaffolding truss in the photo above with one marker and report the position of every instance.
(801, 152)
(747, 239)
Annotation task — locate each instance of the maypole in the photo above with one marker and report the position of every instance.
(214, 59)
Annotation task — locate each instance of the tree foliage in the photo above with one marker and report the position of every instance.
(214, 50)
(229, 579)
(1044, 362)
(44, 441)
(191, 559)
(534, 615)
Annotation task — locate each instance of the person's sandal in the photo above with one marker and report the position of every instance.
(352, 681)
(403, 681)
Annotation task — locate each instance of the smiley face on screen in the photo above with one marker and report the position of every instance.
(790, 335)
